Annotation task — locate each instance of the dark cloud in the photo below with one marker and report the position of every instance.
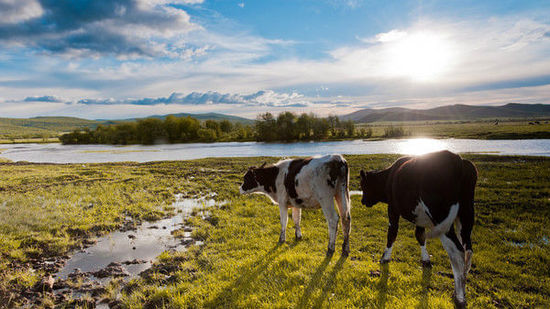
(117, 27)
(46, 98)
(260, 98)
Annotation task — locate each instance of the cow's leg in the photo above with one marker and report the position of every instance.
(283, 212)
(393, 227)
(420, 234)
(466, 219)
(343, 202)
(456, 253)
(332, 221)
(296, 217)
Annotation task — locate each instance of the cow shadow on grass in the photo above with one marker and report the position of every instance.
(242, 284)
(316, 282)
(382, 286)
(424, 293)
(330, 282)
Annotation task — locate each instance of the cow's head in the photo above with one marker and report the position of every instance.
(372, 187)
(251, 182)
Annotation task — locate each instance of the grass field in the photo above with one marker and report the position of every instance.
(471, 129)
(46, 210)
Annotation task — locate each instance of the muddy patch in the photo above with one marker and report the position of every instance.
(123, 254)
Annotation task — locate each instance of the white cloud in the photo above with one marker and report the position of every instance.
(15, 11)
(126, 29)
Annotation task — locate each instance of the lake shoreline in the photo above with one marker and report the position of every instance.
(58, 153)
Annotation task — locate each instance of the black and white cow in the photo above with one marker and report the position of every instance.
(433, 191)
(306, 183)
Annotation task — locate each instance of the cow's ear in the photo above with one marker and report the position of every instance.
(363, 175)
(263, 165)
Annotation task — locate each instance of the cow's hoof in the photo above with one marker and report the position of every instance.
(459, 304)
(426, 264)
(281, 241)
(330, 252)
(298, 238)
(345, 253)
(384, 261)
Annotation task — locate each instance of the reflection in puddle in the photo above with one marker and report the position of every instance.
(145, 243)
(134, 250)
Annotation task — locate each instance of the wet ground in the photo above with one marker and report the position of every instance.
(81, 278)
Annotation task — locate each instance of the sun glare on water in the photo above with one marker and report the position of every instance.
(421, 56)
(418, 146)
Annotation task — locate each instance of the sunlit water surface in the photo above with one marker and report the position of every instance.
(57, 153)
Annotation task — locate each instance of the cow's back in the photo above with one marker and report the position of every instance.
(434, 179)
(311, 179)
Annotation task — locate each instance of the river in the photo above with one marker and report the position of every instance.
(57, 153)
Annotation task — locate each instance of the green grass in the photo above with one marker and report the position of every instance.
(467, 129)
(48, 209)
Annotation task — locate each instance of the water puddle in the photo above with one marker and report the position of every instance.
(128, 253)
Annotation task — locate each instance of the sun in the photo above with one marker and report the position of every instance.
(421, 56)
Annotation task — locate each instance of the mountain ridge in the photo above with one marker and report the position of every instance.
(450, 112)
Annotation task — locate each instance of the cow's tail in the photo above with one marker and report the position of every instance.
(341, 194)
(466, 210)
(343, 187)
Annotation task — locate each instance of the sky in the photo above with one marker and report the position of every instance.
(131, 58)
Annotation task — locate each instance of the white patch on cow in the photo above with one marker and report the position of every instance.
(457, 263)
(422, 215)
(467, 261)
(424, 254)
(312, 182)
(445, 225)
(387, 254)
(458, 227)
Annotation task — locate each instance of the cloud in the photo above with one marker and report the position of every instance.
(261, 98)
(46, 98)
(122, 28)
(493, 60)
(15, 11)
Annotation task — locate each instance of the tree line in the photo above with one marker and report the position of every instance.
(286, 127)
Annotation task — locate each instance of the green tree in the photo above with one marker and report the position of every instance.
(349, 128)
(286, 125)
(266, 128)
(226, 126)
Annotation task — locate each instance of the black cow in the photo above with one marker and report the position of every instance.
(433, 191)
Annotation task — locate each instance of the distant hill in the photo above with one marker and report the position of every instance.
(451, 112)
(53, 126)
(42, 126)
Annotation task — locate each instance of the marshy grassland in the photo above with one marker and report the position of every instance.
(515, 129)
(48, 210)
